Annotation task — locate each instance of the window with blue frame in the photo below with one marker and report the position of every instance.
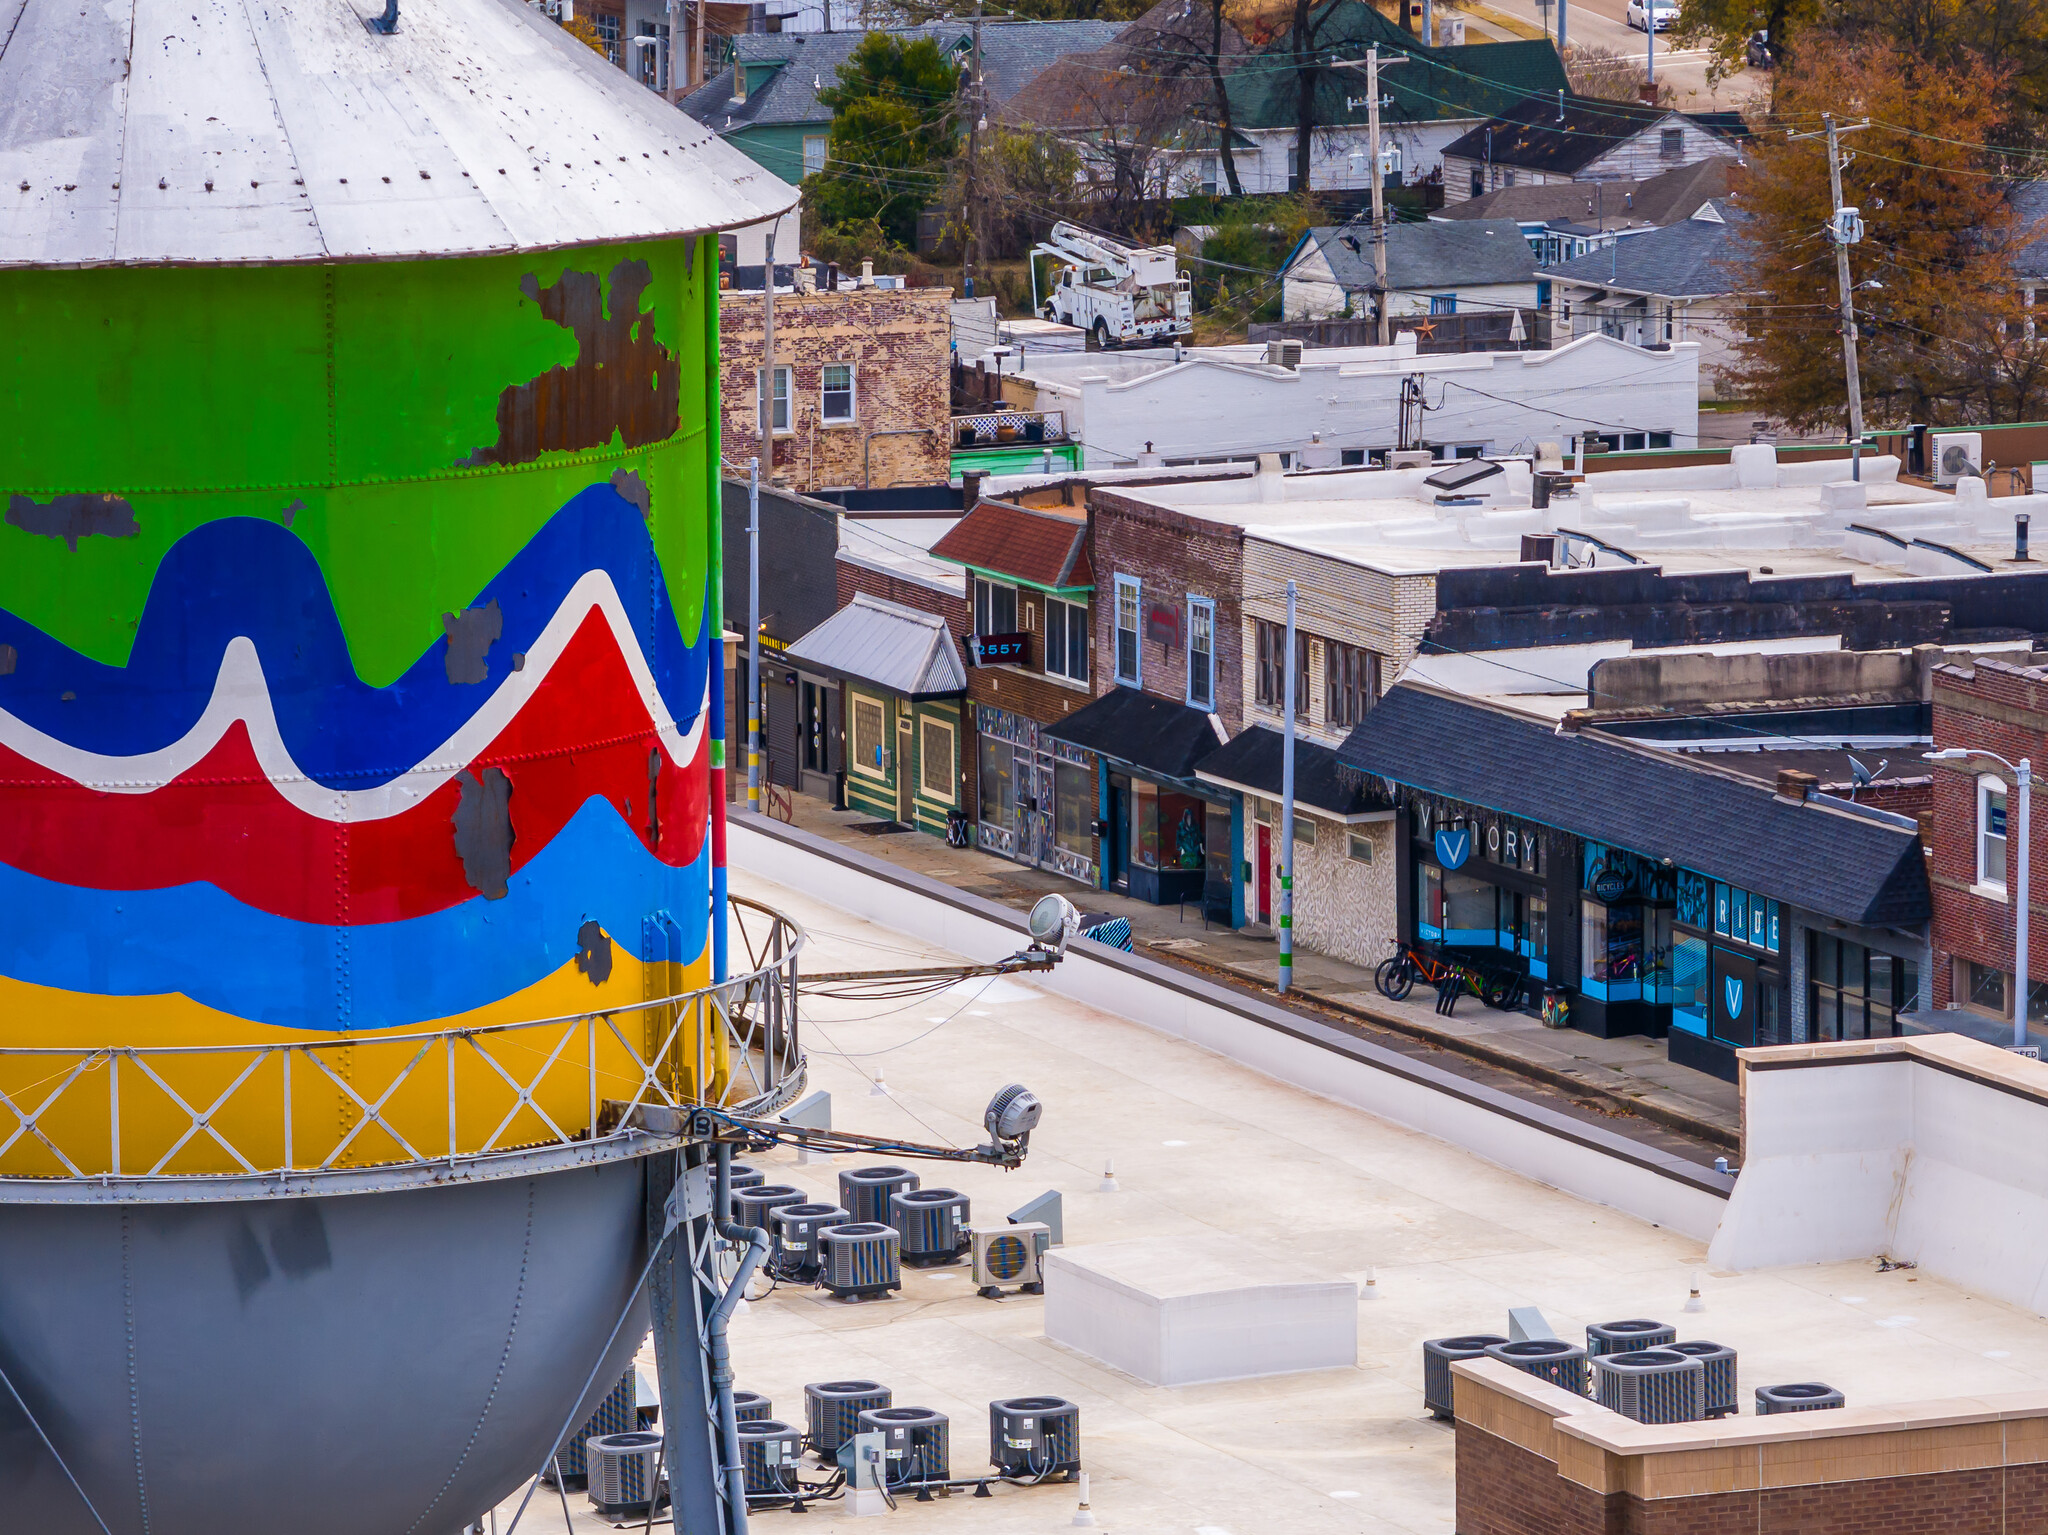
(1689, 984)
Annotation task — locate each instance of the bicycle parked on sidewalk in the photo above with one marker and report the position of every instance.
(1498, 986)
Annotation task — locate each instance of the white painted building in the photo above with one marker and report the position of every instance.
(1344, 405)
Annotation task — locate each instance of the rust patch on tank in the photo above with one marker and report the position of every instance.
(483, 831)
(623, 382)
(594, 953)
(471, 633)
(74, 517)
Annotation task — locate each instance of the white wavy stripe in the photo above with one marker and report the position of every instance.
(241, 693)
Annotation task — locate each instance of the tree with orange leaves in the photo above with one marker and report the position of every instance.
(1943, 334)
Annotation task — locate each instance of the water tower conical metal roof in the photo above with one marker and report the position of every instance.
(263, 131)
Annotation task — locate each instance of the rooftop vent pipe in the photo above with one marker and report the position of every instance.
(2019, 519)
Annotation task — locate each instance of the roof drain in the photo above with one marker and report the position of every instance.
(386, 23)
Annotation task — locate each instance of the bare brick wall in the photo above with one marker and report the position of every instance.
(868, 582)
(1174, 558)
(1506, 1490)
(1997, 708)
(899, 343)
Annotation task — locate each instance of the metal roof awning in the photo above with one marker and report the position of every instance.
(888, 645)
(1250, 762)
(1834, 862)
(1155, 735)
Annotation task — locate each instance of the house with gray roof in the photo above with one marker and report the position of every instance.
(765, 100)
(1679, 283)
(1544, 140)
(1475, 265)
(1565, 219)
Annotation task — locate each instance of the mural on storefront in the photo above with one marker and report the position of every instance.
(1617, 877)
(354, 644)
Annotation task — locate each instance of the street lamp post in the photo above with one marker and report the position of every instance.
(2023, 783)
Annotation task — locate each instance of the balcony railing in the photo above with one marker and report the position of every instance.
(285, 1107)
(1009, 428)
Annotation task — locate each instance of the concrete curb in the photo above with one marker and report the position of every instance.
(1540, 1142)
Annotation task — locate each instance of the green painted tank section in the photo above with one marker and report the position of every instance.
(342, 399)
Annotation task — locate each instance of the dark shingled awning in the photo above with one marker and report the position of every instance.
(1153, 734)
(1251, 760)
(1834, 862)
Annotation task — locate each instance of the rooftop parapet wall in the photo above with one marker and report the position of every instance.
(1903, 1148)
(1533, 1457)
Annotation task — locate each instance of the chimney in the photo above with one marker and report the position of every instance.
(867, 273)
(831, 277)
(970, 489)
(1796, 786)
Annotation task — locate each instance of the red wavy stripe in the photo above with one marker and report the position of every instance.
(584, 733)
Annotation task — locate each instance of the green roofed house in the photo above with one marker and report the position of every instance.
(765, 101)
(1433, 99)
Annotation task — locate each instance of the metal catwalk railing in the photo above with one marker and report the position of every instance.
(283, 1106)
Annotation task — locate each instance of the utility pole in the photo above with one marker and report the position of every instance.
(1845, 228)
(1286, 980)
(1650, 46)
(1372, 62)
(1562, 7)
(754, 633)
(974, 121)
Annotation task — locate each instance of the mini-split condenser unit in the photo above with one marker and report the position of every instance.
(1010, 1255)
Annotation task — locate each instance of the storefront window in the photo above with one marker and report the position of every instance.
(1657, 957)
(1429, 902)
(998, 789)
(1073, 798)
(1689, 984)
(1610, 950)
(1469, 914)
(1534, 936)
(1144, 824)
(1853, 992)
(1180, 831)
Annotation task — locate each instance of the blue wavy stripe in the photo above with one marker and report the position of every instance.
(196, 940)
(244, 576)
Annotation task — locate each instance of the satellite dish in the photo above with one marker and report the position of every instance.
(1053, 921)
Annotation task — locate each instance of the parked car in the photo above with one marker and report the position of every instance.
(1645, 14)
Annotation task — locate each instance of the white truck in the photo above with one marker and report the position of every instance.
(1117, 293)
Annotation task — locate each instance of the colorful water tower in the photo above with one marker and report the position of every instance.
(360, 753)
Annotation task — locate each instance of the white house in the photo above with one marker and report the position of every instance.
(1350, 405)
(1579, 138)
(1661, 287)
(1478, 265)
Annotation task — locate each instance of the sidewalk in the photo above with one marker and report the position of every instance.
(1626, 1080)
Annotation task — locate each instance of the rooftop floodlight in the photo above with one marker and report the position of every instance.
(1053, 921)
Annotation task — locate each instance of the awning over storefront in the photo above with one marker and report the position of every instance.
(1154, 735)
(1833, 862)
(1251, 762)
(891, 646)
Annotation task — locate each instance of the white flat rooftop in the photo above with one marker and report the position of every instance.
(1793, 519)
(1205, 1147)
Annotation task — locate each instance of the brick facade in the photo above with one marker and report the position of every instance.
(1174, 557)
(1990, 706)
(898, 341)
(1504, 1489)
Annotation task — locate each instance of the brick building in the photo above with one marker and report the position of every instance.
(862, 385)
(1032, 585)
(1990, 706)
(1168, 679)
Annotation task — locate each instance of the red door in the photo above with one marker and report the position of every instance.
(1265, 873)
